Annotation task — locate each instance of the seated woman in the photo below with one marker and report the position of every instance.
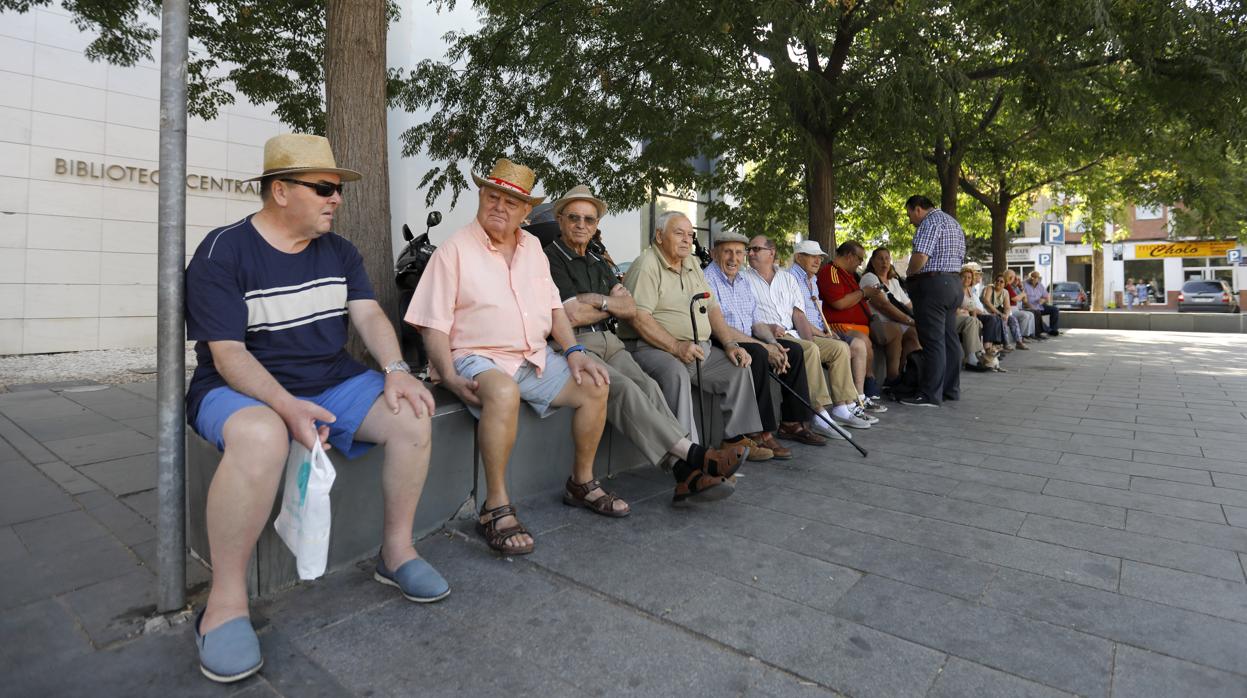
(996, 299)
(893, 310)
(1028, 320)
(979, 351)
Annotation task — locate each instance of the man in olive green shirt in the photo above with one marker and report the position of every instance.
(593, 298)
(662, 282)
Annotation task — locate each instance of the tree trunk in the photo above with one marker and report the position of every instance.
(949, 174)
(1000, 237)
(820, 190)
(355, 123)
(1097, 277)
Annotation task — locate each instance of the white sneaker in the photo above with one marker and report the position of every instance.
(863, 414)
(820, 427)
(854, 420)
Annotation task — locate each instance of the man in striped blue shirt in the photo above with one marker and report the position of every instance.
(268, 301)
(934, 285)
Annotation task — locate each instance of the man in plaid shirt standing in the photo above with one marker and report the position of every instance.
(935, 287)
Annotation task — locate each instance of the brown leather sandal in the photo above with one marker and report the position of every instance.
(701, 487)
(574, 495)
(497, 537)
(724, 462)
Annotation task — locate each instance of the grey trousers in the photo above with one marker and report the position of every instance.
(718, 375)
(635, 404)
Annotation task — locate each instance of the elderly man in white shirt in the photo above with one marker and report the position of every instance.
(779, 298)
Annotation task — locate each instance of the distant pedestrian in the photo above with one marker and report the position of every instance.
(939, 249)
(1128, 296)
(1140, 292)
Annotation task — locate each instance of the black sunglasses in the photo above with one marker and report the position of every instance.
(325, 189)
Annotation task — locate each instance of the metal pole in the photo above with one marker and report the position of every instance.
(171, 334)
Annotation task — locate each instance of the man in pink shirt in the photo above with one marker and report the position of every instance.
(485, 305)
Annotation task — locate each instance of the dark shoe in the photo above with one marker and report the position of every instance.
(756, 451)
(954, 398)
(800, 433)
(496, 537)
(574, 495)
(416, 578)
(917, 401)
(977, 368)
(778, 452)
(230, 652)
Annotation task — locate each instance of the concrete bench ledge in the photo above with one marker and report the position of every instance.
(1231, 323)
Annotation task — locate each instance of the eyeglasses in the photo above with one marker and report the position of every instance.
(759, 248)
(324, 189)
(577, 219)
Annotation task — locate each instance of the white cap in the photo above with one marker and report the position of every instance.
(809, 247)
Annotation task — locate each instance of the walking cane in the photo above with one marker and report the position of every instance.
(838, 429)
(701, 410)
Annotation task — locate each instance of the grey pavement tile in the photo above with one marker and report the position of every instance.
(96, 396)
(67, 426)
(842, 655)
(965, 541)
(738, 516)
(1218, 495)
(388, 651)
(315, 605)
(929, 451)
(47, 634)
(1099, 514)
(114, 609)
(135, 408)
(987, 473)
(1173, 631)
(1048, 654)
(600, 646)
(147, 426)
(9, 454)
(1186, 530)
(124, 475)
(1128, 545)
(895, 499)
(10, 545)
(53, 385)
(288, 671)
(33, 500)
(1142, 674)
(1059, 472)
(1227, 452)
(1237, 516)
(22, 581)
(29, 447)
(1216, 597)
(94, 448)
(1213, 436)
(125, 524)
(55, 533)
(67, 478)
(1157, 504)
(1129, 467)
(1237, 482)
(917, 480)
(147, 389)
(1238, 467)
(84, 563)
(1133, 427)
(145, 503)
(962, 679)
(45, 406)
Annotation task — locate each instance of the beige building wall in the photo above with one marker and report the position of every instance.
(78, 143)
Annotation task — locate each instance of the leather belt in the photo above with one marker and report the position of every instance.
(925, 274)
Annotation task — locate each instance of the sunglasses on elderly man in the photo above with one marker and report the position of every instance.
(576, 219)
(759, 248)
(322, 188)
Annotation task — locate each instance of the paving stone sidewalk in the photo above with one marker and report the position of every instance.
(1077, 526)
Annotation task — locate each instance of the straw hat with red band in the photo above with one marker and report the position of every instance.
(292, 153)
(511, 178)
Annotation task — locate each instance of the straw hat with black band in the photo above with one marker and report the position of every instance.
(512, 179)
(292, 153)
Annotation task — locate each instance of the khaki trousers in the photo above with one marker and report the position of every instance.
(835, 356)
(971, 331)
(635, 404)
(719, 375)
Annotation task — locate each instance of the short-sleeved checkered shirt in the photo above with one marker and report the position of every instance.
(809, 292)
(939, 236)
(735, 297)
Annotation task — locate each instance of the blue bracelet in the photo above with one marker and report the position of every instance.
(573, 349)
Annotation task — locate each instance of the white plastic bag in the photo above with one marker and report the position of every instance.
(304, 519)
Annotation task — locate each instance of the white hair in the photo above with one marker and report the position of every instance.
(663, 221)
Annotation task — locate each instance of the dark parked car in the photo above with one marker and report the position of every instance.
(1069, 295)
(1207, 296)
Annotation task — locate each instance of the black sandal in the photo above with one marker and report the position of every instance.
(574, 495)
(497, 537)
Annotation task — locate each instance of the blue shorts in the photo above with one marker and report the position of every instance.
(537, 391)
(349, 401)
